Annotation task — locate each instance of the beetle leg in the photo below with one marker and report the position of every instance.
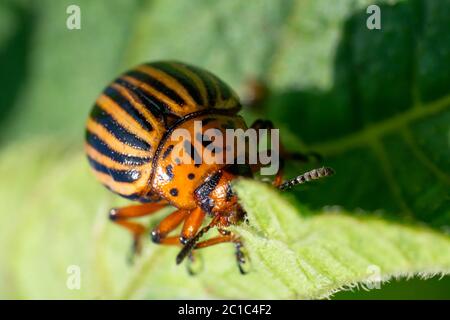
(240, 256)
(227, 236)
(192, 224)
(214, 241)
(121, 216)
(170, 241)
(194, 263)
(191, 243)
(169, 223)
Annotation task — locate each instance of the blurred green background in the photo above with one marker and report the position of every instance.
(374, 103)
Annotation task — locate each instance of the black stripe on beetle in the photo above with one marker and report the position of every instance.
(156, 107)
(157, 85)
(132, 197)
(182, 78)
(209, 86)
(118, 175)
(168, 151)
(128, 107)
(98, 144)
(117, 130)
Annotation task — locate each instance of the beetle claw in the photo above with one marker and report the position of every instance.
(194, 264)
(135, 250)
(241, 258)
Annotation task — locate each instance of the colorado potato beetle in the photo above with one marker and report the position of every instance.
(129, 145)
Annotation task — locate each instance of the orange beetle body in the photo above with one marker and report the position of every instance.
(131, 146)
(129, 129)
(134, 149)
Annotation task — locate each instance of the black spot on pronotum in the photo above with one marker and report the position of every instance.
(214, 149)
(204, 140)
(191, 176)
(191, 151)
(174, 192)
(169, 171)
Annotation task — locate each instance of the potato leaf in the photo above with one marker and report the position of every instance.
(59, 220)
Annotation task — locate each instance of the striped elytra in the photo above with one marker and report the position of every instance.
(128, 129)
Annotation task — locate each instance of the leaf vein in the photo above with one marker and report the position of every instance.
(421, 156)
(379, 151)
(379, 129)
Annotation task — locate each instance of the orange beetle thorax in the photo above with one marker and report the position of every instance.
(185, 162)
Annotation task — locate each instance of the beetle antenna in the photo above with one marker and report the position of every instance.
(306, 177)
(189, 246)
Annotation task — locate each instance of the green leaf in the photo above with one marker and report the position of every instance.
(62, 221)
(314, 256)
(383, 122)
